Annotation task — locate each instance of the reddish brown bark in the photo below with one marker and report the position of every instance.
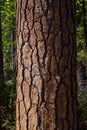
(46, 53)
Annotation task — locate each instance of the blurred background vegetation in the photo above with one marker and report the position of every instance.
(8, 84)
(81, 39)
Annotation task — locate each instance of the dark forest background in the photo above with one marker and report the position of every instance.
(8, 63)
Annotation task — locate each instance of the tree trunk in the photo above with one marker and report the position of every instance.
(1, 72)
(1, 54)
(13, 39)
(46, 53)
(13, 46)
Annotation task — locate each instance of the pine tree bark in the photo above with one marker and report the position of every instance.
(46, 53)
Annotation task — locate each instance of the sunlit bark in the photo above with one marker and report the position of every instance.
(46, 55)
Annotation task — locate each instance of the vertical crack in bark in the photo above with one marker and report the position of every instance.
(33, 10)
(25, 10)
(30, 87)
(19, 115)
(43, 85)
(57, 89)
(22, 88)
(56, 107)
(69, 33)
(68, 62)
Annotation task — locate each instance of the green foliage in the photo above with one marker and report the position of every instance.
(8, 25)
(8, 89)
(80, 38)
(81, 57)
(8, 106)
(82, 110)
(82, 106)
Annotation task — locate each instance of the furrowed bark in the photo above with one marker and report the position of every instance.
(46, 53)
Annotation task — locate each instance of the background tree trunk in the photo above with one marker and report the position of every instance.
(1, 53)
(46, 78)
(13, 46)
(1, 72)
(13, 40)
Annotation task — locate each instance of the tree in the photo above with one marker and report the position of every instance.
(46, 55)
(1, 70)
(13, 46)
(1, 53)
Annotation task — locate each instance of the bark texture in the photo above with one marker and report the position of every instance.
(46, 53)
